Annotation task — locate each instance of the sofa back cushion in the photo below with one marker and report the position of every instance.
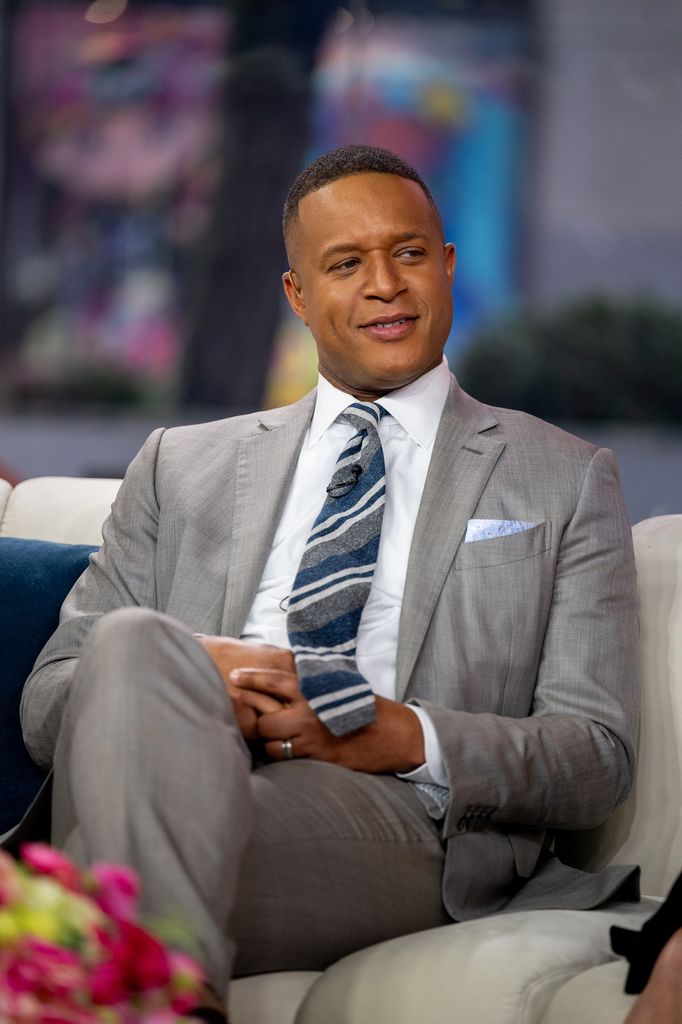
(35, 577)
(67, 509)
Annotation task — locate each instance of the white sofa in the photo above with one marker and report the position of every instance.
(538, 967)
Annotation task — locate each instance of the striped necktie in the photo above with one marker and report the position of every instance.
(335, 576)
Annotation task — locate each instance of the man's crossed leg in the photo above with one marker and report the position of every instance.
(286, 866)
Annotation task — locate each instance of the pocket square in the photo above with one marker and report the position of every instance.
(486, 529)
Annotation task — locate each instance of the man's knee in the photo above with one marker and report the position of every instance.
(153, 658)
(128, 625)
(133, 648)
(127, 638)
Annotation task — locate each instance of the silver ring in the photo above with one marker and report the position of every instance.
(287, 750)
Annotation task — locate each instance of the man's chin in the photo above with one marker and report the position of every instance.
(378, 380)
(385, 385)
(399, 376)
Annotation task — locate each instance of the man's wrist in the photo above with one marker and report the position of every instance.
(412, 742)
(432, 768)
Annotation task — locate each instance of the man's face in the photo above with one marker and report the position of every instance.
(372, 279)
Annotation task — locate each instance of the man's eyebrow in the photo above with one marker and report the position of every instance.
(341, 247)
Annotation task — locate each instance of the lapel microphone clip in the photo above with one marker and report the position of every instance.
(341, 487)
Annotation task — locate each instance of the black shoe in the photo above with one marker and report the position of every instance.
(642, 948)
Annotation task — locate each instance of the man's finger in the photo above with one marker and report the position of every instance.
(262, 703)
(282, 724)
(282, 685)
(229, 653)
(282, 750)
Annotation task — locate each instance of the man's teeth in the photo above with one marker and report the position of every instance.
(391, 323)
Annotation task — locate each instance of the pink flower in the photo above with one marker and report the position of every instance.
(108, 983)
(116, 890)
(72, 952)
(147, 960)
(136, 962)
(186, 980)
(20, 1009)
(50, 974)
(66, 1014)
(45, 860)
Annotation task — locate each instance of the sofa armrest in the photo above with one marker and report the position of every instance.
(647, 828)
(35, 576)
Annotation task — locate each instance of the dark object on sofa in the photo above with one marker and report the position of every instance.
(35, 577)
(642, 948)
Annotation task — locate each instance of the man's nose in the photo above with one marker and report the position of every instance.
(384, 280)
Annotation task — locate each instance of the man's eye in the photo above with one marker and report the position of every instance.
(411, 254)
(348, 264)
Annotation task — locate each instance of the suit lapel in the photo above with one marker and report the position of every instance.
(266, 461)
(461, 464)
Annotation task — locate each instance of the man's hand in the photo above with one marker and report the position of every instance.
(228, 654)
(394, 742)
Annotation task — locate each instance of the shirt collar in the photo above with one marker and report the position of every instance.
(417, 407)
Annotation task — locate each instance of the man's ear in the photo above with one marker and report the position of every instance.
(450, 260)
(294, 294)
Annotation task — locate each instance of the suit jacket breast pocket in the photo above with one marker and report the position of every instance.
(514, 547)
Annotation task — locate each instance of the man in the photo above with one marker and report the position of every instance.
(498, 638)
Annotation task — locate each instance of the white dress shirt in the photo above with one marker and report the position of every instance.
(407, 437)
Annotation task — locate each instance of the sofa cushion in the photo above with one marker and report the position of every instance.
(596, 996)
(270, 998)
(5, 491)
(497, 969)
(35, 576)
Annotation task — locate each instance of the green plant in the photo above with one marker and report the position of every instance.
(596, 359)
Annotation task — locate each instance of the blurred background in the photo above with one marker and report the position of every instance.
(146, 149)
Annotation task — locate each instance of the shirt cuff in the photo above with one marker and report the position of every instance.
(433, 769)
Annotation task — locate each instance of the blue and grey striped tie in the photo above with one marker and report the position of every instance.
(335, 576)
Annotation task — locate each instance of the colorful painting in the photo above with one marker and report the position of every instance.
(450, 96)
(115, 131)
(115, 148)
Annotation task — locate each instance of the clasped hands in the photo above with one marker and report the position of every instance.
(269, 707)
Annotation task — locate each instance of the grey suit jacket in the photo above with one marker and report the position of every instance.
(522, 648)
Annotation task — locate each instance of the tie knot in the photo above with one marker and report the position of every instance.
(361, 450)
(364, 415)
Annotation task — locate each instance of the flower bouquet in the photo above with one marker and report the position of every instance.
(72, 952)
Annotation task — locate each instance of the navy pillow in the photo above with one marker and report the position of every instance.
(35, 577)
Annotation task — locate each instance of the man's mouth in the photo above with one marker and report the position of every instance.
(390, 328)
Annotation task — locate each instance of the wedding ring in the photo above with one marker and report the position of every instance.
(287, 750)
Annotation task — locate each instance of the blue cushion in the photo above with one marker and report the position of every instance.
(35, 577)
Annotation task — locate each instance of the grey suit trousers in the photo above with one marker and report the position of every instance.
(288, 866)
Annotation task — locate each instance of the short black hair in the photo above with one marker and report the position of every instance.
(342, 163)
